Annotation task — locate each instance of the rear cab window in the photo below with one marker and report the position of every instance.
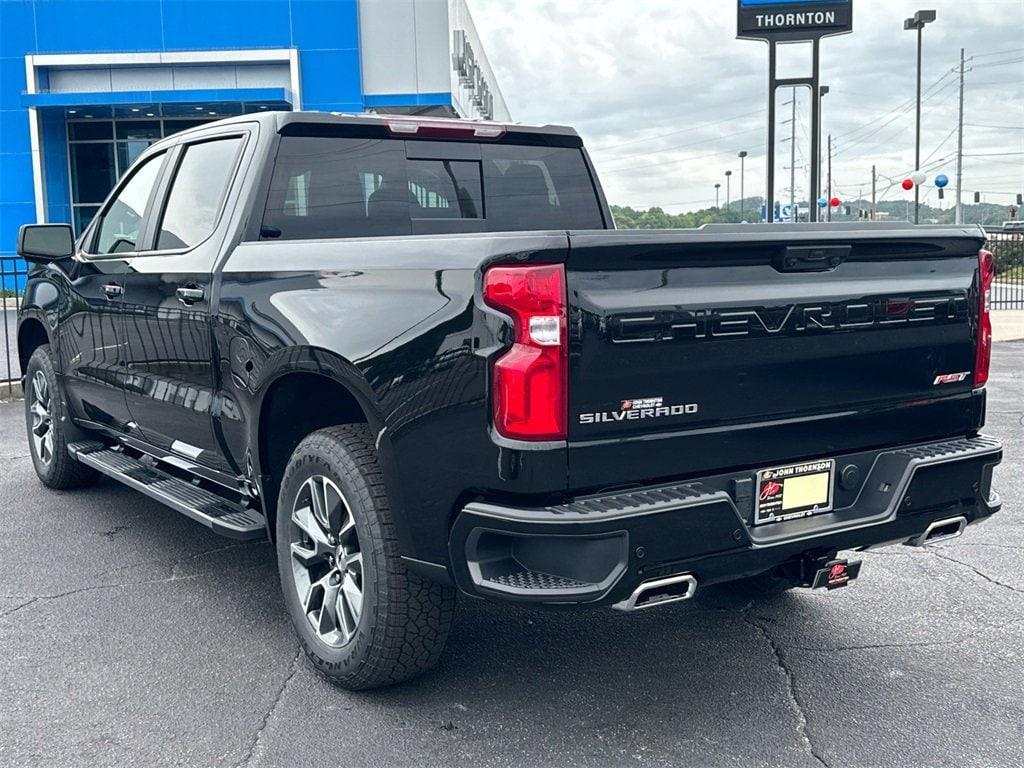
(334, 187)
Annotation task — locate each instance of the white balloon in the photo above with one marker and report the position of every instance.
(918, 178)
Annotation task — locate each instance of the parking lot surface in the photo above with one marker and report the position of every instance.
(130, 635)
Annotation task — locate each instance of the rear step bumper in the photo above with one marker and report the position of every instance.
(650, 546)
(213, 511)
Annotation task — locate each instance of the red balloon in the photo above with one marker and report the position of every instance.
(908, 184)
(835, 202)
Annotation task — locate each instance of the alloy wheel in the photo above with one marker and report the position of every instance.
(42, 420)
(326, 560)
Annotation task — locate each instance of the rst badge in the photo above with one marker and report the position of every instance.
(951, 378)
(639, 408)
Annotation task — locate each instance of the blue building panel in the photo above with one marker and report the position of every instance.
(325, 24)
(330, 76)
(190, 25)
(96, 25)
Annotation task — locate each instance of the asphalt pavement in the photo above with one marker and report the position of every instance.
(131, 636)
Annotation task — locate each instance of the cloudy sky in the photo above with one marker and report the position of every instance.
(665, 96)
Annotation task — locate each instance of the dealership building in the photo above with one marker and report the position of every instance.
(87, 85)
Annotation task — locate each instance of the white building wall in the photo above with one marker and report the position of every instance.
(459, 18)
(406, 48)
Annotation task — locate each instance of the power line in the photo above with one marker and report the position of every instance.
(997, 53)
(996, 127)
(681, 130)
(681, 146)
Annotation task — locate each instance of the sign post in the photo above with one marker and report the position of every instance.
(794, 21)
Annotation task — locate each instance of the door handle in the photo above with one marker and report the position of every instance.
(112, 290)
(190, 295)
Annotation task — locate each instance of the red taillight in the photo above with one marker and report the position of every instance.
(530, 381)
(986, 274)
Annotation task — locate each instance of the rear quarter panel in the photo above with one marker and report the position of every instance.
(397, 321)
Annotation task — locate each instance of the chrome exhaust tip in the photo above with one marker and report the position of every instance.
(671, 589)
(940, 530)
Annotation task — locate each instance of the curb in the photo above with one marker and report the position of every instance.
(10, 391)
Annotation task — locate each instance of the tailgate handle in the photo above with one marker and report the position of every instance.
(813, 258)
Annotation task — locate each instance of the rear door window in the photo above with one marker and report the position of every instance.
(333, 187)
(328, 187)
(197, 192)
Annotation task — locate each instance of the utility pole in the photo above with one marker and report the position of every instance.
(728, 190)
(874, 190)
(960, 147)
(829, 206)
(717, 187)
(743, 158)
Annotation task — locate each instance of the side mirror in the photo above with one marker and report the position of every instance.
(42, 243)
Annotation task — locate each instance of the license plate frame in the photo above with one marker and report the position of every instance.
(812, 485)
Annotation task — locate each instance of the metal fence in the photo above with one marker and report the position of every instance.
(13, 272)
(1008, 288)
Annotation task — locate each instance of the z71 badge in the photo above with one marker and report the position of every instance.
(639, 408)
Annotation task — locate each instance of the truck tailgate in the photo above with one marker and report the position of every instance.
(732, 347)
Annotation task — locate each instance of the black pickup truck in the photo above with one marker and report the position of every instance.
(415, 354)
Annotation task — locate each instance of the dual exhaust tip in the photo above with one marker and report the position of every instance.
(940, 530)
(670, 589)
(675, 589)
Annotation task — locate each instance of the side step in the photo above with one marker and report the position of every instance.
(213, 511)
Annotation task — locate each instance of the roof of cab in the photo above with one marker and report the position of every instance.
(280, 119)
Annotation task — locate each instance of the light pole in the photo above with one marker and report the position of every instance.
(728, 190)
(822, 92)
(743, 160)
(917, 23)
(717, 187)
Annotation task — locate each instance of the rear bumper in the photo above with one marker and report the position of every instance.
(598, 549)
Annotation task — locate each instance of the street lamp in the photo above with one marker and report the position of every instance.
(728, 190)
(917, 23)
(823, 91)
(717, 187)
(743, 158)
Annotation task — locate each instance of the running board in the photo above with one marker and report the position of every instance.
(215, 512)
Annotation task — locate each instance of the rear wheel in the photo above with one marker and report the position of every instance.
(363, 619)
(49, 426)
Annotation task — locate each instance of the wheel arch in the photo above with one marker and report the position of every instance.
(32, 334)
(298, 400)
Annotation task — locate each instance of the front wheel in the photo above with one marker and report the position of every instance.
(49, 426)
(363, 619)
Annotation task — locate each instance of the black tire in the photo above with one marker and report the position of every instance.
(48, 437)
(403, 622)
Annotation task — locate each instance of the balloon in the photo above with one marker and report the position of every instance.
(941, 180)
(836, 202)
(908, 184)
(822, 202)
(918, 178)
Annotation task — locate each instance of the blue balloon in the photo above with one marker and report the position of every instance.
(941, 180)
(822, 202)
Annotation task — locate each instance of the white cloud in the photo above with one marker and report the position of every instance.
(665, 96)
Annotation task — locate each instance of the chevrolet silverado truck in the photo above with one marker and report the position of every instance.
(417, 356)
